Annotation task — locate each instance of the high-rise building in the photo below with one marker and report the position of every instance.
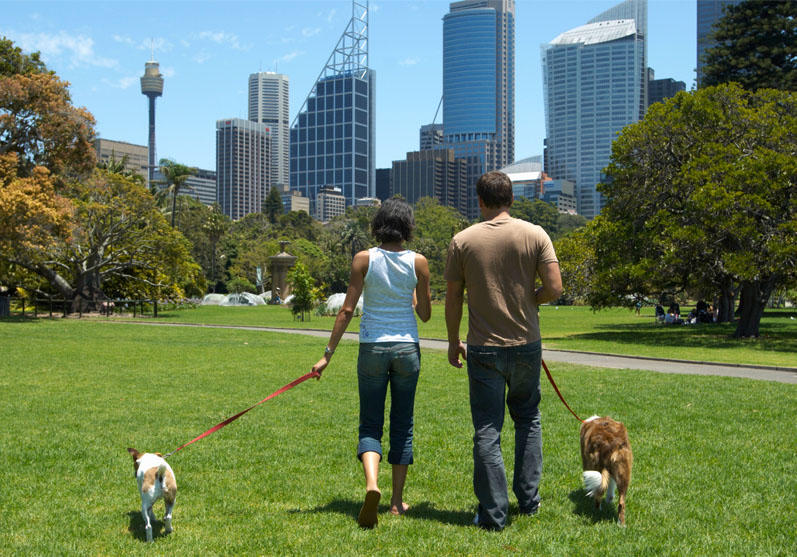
(152, 88)
(594, 84)
(136, 157)
(432, 173)
(661, 89)
(431, 135)
(479, 86)
(202, 186)
(243, 166)
(383, 187)
(708, 13)
(332, 136)
(269, 94)
(330, 203)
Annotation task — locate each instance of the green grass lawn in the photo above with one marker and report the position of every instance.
(611, 331)
(714, 468)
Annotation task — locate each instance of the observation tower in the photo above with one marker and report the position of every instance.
(152, 87)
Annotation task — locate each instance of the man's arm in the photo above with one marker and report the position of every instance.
(551, 279)
(455, 295)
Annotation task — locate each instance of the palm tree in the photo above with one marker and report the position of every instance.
(175, 175)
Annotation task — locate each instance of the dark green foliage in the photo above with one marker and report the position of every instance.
(13, 61)
(272, 206)
(701, 201)
(756, 46)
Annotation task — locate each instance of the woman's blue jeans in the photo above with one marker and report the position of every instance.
(380, 364)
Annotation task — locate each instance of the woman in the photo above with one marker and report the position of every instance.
(392, 280)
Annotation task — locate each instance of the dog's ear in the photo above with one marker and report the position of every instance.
(159, 454)
(134, 453)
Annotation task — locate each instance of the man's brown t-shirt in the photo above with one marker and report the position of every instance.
(499, 260)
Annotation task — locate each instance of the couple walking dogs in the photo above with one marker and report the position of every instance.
(498, 262)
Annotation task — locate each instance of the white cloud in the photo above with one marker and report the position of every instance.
(78, 50)
(167, 71)
(308, 32)
(121, 83)
(201, 57)
(331, 15)
(291, 55)
(223, 38)
(409, 62)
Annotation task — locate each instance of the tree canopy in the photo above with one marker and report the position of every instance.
(755, 46)
(701, 199)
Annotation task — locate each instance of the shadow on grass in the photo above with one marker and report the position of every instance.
(423, 511)
(585, 506)
(136, 527)
(779, 337)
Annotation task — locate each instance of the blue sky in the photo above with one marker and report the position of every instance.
(207, 49)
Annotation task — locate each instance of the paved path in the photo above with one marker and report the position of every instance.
(763, 373)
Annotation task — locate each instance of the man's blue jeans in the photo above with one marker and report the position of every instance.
(379, 364)
(494, 371)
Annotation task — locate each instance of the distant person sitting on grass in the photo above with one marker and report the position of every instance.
(393, 281)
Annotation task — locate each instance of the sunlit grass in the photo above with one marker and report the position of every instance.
(714, 457)
(611, 331)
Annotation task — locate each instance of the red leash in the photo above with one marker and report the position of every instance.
(555, 388)
(217, 427)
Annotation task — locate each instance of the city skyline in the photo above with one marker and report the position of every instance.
(206, 58)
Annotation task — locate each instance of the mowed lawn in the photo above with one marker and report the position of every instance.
(714, 470)
(610, 331)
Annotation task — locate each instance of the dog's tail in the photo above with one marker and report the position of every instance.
(161, 471)
(596, 483)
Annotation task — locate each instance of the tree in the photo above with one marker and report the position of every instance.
(175, 174)
(536, 211)
(272, 206)
(303, 290)
(701, 197)
(119, 166)
(756, 46)
(119, 244)
(435, 225)
(13, 61)
(40, 125)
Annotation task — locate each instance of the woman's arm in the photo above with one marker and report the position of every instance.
(422, 295)
(359, 267)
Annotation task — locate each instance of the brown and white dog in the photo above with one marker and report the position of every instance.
(155, 480)
(606, 459)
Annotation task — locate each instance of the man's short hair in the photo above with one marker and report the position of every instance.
(495, 189)
(393, 221)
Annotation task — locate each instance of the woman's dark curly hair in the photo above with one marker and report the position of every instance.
(393, 221)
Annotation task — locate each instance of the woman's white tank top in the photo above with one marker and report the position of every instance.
(387, 297)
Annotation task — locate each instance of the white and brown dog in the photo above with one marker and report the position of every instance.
(606, 458)
(155, 480)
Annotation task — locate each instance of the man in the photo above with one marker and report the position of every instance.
(498, 261)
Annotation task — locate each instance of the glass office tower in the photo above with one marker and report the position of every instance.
(594, 84)
(708, 13)
(332, 137)
(479, 86)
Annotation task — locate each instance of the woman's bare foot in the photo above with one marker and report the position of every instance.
(399, 508)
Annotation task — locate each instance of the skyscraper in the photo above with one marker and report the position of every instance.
(243, 166)
(269, 104)
(479, 86)
(332, 136)
(594, 84)
(152, 88)
(708, 13)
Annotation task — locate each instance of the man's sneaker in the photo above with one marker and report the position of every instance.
(530, 512)
(479, 524)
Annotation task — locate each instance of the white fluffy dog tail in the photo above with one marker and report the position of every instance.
(593, 483)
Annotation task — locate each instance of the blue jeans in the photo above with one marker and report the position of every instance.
(492, 372)
(380, 364)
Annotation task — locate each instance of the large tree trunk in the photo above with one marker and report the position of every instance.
(725, 303)
(753, 300)
(88, 293)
